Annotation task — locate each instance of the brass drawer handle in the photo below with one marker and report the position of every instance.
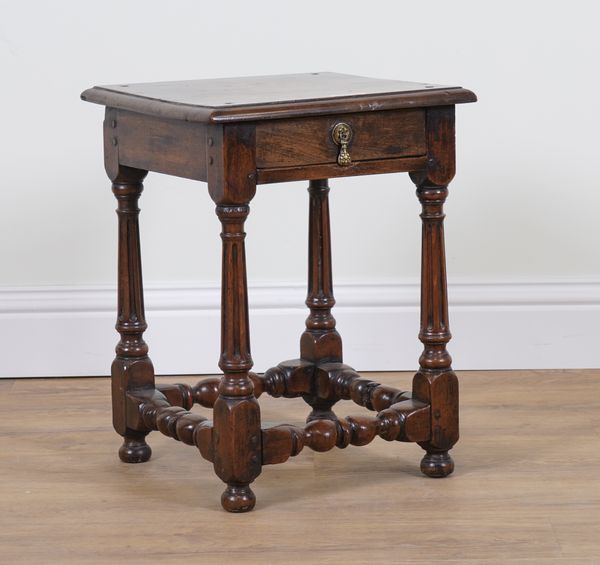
(342, 135)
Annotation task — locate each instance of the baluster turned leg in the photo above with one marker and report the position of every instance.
(435, 381)
(320, 343)
(237, 433)
(132, 368)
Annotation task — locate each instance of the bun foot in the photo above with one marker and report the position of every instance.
(238, 498)
(437, 465)
(135, 449)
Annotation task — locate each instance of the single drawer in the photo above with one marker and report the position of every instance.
(310, 141)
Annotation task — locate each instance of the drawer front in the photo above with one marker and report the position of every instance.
(309, 141)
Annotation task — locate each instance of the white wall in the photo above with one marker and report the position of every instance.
(523, 207)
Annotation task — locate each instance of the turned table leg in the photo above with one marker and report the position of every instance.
(132, 368)
(236, 415)
(320, 343)
(436, 382)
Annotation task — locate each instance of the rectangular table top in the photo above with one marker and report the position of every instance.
(270, 97)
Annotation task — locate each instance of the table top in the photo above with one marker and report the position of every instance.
(270, 97)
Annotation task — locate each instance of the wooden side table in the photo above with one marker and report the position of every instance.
(238, 133)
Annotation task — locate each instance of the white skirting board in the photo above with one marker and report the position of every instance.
(69, 331)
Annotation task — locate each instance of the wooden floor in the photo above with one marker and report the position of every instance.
(526, 487)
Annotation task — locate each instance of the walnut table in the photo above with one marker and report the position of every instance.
(235, 134)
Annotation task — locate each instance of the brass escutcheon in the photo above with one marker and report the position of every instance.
(342, 136)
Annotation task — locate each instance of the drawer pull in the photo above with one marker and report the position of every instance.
(342, 135)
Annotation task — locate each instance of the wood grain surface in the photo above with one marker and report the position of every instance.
(164, 146)
(270, 97)
(526, 487)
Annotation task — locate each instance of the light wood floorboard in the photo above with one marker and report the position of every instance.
(526, 488)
